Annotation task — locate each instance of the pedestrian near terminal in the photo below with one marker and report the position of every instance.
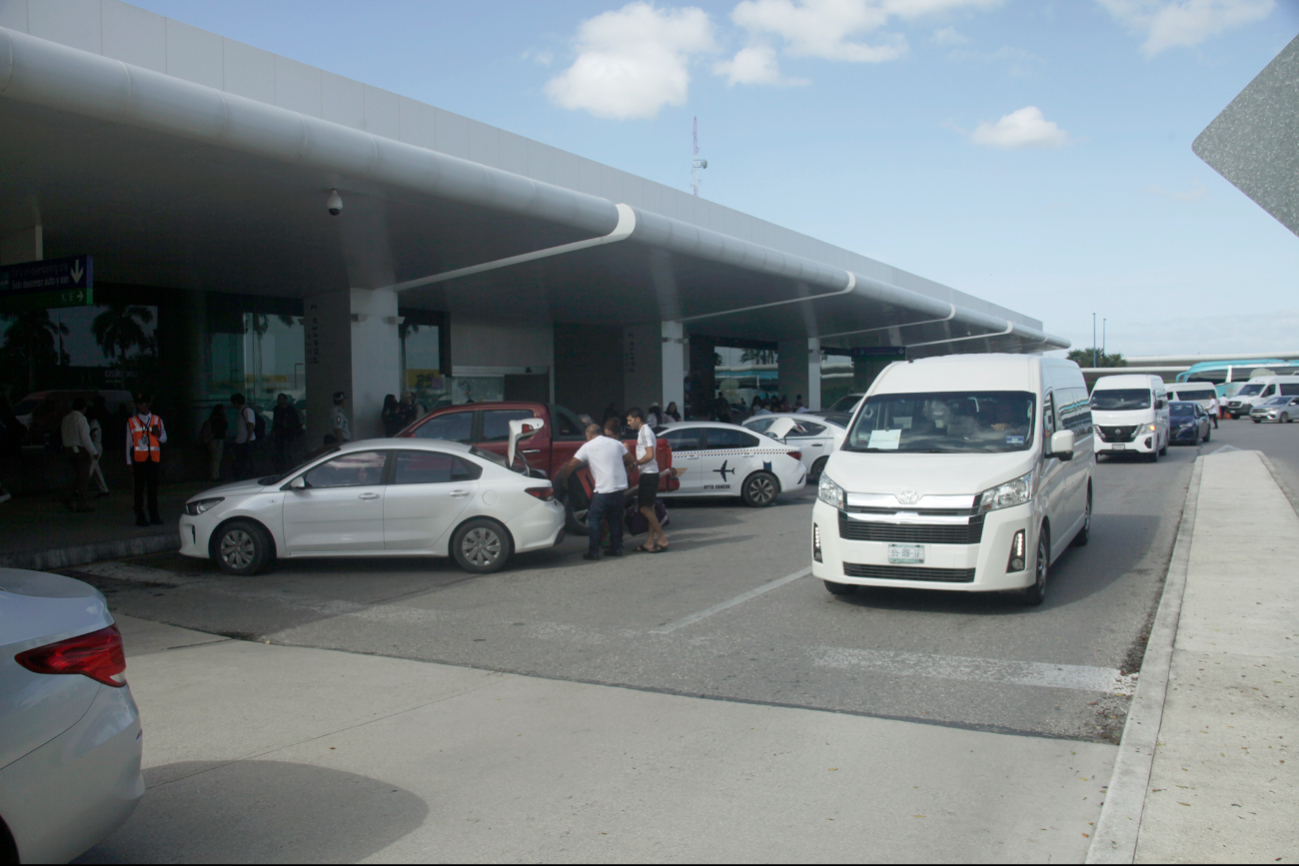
(338, 419)
(96, 415)
(391, 416)
(145, 436)
(647, 490)
(411, 410)
(286, 427)
(1214, 410)
(609, 461)
(212, 435)
(245, 436)
(81, 452)
(671, 413)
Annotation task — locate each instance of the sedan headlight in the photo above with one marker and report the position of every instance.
(829, 492)
(198, 506)
(1015, 492)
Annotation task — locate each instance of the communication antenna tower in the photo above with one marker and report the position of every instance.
(696, 163)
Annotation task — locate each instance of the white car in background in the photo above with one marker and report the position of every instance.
(380, 497)
(816, 437)
(716, 459)
(69, 729)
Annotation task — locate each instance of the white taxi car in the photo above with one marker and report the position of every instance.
(816, 437)
(718, 459)
(378, 497)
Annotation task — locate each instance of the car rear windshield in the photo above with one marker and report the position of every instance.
(949, 422)
(1179, 410)
(1119, 399)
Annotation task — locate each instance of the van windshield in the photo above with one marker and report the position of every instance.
(1250, 390)
(1120, 399)
(948, 422)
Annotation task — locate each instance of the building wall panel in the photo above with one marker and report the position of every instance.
(249, 71)
(298, 87)
(453, 134)
(69, 22)
(514, 153)
(13, 15)
(484, 144)
(418, 123)
(195, 55)
(133, 35)
(382, 113)
(342, 100)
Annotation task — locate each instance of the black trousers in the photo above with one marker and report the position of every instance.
(146, 480)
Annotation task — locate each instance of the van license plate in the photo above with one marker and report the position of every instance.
(1120, 447)
(907, 553)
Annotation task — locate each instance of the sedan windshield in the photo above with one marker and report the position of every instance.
(1120, 399)
(951, 422)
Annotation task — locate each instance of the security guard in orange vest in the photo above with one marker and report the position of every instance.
(145, 435)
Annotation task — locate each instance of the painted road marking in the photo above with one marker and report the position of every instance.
(1224, 449)
(1054, 676)
(739, 599)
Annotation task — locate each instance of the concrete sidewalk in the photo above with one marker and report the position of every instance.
(1218, 782)
(39, 532)
(261, 753)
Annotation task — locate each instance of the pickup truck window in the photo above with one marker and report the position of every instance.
(453, 427)
(566, 425)
(496, 423)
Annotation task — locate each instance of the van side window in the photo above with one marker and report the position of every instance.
(1268, 391)
(1290, 389)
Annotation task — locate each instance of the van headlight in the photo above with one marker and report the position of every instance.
(1015, 492)
(829, 492)
(198, 506)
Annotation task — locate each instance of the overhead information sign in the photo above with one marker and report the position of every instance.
(66, 282)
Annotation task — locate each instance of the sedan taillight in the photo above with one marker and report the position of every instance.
(98, 655)
(545, 494)
(797, 455)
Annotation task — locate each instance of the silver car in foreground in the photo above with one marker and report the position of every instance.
(1282, 410)
(69, 728)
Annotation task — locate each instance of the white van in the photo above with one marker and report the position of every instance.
(1131, 415)
(1203, 393)
(963, 472)
(1260, 389)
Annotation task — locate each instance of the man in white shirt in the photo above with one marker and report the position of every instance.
(609, 461)
(245, 436)
(81, 453)
(648, 489)
(338, 419)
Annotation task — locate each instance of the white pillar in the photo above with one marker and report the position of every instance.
(674, 364)
(799, 366)
(351, 346)
(814, 374)
(25, 246)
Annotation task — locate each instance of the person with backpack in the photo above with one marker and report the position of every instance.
(245, 435)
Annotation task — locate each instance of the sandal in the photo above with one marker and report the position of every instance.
(644, 549)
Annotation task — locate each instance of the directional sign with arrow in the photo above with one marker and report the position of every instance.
(66, 282)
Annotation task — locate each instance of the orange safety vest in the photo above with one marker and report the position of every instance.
(142, 449)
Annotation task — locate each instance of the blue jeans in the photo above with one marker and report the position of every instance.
(606, 505)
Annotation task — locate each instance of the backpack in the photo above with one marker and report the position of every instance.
(259, 426)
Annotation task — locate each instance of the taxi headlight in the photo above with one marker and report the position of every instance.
(198, 506)
(829, 492)
(1015, 492)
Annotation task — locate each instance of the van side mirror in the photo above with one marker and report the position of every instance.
(1160, 402)
(1062, 444)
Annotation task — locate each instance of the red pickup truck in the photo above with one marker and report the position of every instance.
(487, 426)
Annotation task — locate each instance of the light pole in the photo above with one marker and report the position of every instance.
(1093, 340)
(1103, 321)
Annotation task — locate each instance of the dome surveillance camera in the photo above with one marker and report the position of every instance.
(335, 203)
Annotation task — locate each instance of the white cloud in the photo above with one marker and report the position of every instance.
(543, 57)
(1193, 194)
(633, 61)
(950, 36)
(1185, 23)
(1020, 129)
(756, 64)
(834, 29)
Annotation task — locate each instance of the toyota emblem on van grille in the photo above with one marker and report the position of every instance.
(909, 497)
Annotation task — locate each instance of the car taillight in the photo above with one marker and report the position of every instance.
(97, 655)
(545, 494)
(797, 455)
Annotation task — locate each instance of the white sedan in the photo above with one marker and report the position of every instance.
(816, 437)
(69, 728)
(378, 497)
(718, 459)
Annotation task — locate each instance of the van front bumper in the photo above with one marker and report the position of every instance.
(982, 567)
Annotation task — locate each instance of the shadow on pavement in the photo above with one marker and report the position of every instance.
(260, 812)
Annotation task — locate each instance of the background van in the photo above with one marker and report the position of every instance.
(1203, 393)
(1131, 415)
(1260, 389)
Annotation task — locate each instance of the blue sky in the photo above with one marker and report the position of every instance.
(1036, 153)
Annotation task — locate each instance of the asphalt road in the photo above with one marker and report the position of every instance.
(726, 615)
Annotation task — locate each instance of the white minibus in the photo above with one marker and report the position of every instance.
(1203, 393)
(962, 472)
(1131, 415)
(1260, 389)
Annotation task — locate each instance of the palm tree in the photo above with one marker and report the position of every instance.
(122, 327)
(31, 335)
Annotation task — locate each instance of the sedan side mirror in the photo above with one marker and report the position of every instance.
(299, 483)
(1062, 444)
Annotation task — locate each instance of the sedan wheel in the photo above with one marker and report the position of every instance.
(241, 547)
(481, 546)
(1285, 419)
(760, 490)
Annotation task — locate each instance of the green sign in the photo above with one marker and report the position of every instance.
(66, 282)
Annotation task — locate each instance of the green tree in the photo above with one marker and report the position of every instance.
(759, 356)
(121, 328)
(1083, 358)
(30, 341)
